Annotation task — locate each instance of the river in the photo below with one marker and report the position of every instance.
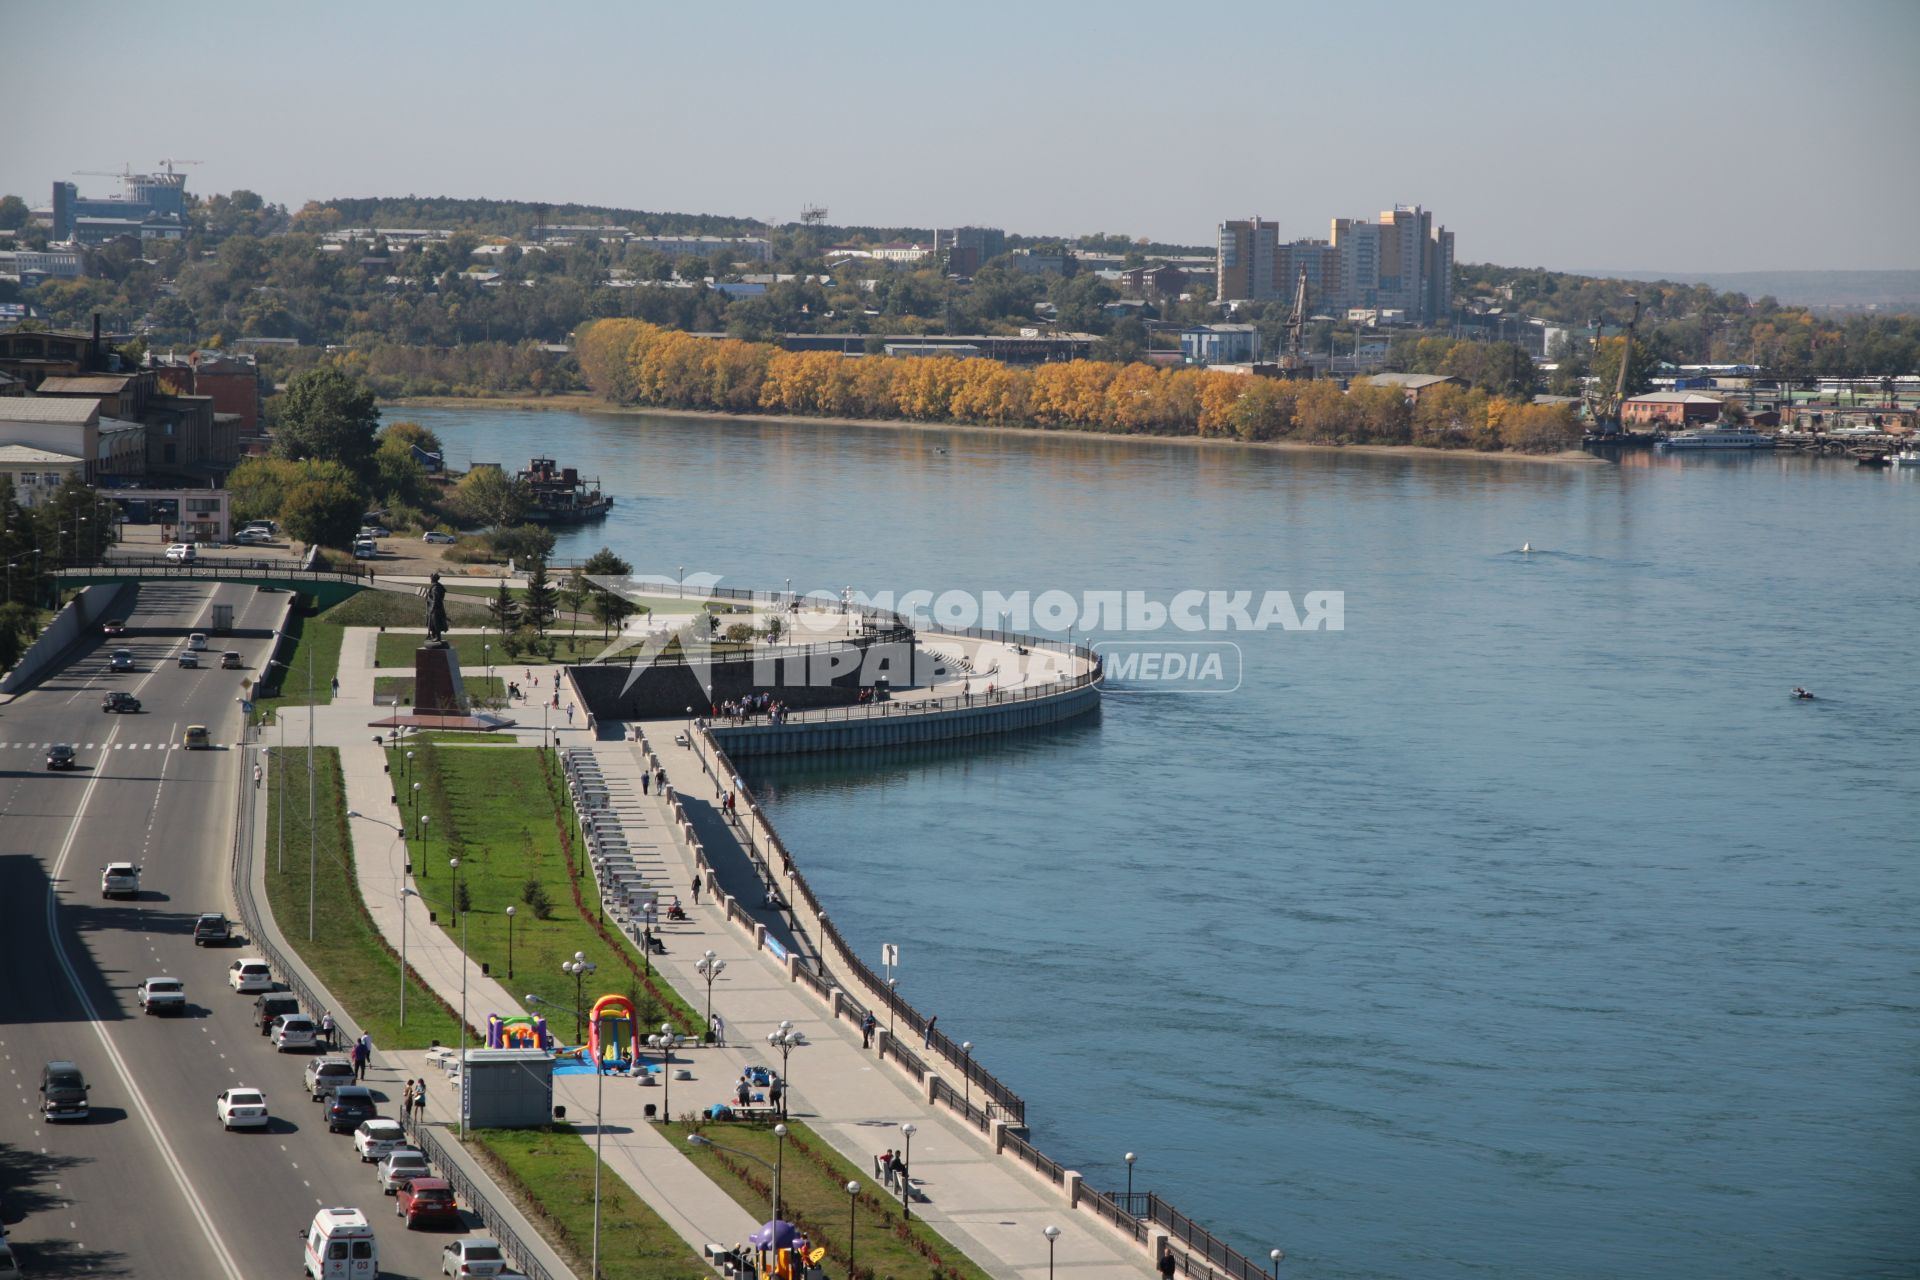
(1523, 928)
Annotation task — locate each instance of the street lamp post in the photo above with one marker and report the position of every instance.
(1276, 1255)
(464, 1082)
(893, 1003)
(906, 1175)
(702, 1140)
(579, 967)
(1130, 1159)
(853, 1199)
(966, 1073)
(1052, 1234)
(709, 967)
(666, 1073)
(509, 944)
(783, 1039)
(779, 1165)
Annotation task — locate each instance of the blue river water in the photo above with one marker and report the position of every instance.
(1523, 928)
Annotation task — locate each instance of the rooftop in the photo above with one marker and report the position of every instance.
(48, 409)
(93, 384)
(1676, 397)
(1411, 381)
(18, 454)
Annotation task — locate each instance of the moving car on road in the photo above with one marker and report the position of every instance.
(294, 1031)
(241, 1107)
(163, 995)
(182, 553)
(251, 537)
(113, 627)
(475, 1256)
(211, 929)
(377, 1138)
(189, 660)
(119, 700)
(399, 1165)
(434, 535)
(197, 641)
(230, 660)
(196, 738)
(427, 1202)
(120, 880)
(268, 1008)
(63, 1091)
(120, 660)
(340, 1246)
(324, 1075)
(349, 1105)
(60, 756)
(249, 975)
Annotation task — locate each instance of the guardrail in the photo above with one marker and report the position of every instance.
(469, 1192)
(212, 567)
(1034, 1158)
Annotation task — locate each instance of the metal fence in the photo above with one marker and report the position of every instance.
(1034, 1158)
(474, 1197)
(211, 567)
(1221, 1258)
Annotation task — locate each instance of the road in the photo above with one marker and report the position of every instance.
(151, 1185)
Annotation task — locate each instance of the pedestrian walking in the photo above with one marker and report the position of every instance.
(866, 1030)
(1166, 1264)
(776, 1094)
(646, 783)
(358, 1057)
(420, 1101)
(926, 1041)
(569, 713)
(326, 1028)
(406, 1102)
(696, 889)
(336, 686)
(256, 777)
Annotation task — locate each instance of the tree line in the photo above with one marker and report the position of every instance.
(635, 363)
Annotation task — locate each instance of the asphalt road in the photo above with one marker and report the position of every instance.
(150, 1185)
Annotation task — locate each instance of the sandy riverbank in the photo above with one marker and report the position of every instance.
(581, 402)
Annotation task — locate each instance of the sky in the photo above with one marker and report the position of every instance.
(1684, 136)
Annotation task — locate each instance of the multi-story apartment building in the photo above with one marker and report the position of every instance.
(1245, 264)
(1402, 262)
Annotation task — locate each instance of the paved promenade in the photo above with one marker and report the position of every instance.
(989, 1206)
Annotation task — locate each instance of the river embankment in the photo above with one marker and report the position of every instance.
(581, 402)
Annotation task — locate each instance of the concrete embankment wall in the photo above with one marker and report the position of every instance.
(82, 613)
(875, 727)
(815, 676)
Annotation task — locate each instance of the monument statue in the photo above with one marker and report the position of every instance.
(436, 612)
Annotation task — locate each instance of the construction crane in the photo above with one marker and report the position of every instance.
(124, 173)
(170, 163)
(1293, 353)
(1626, 358)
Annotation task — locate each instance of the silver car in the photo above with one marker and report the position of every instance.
(400, 1164)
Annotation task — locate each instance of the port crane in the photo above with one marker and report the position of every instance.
(1293, 349)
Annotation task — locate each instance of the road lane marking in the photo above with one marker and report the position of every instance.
(134, 1094)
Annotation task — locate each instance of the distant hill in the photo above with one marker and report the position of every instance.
(1894, 291)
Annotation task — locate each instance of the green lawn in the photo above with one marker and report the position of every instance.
(346, 951)
(395, 649)
(495, 811)
(554, 1170)
(372, 608)
(455, 737)
(813, 1196)
(315, 652)
(490, 691)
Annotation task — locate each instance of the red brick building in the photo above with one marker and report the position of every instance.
(1671, 409)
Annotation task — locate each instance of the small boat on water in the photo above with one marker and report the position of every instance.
(1719, 437)
(1904, 458)
(557, 495)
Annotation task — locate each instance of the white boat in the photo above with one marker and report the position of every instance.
(1718, 437)
(1904, 458)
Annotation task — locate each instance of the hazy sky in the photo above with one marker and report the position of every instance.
(1685, 135)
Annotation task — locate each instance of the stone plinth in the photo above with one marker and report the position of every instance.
(437, 687)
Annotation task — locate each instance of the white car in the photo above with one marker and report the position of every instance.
(293, 1031)
(197, 641)
(182, 553)
(400, 1164)
(247, 976)
(163, 995)
(477, 1256)
(190, 659)
(378, 1138)
(434, 535)
(251, 537)
(120, 879)
(241, 1108)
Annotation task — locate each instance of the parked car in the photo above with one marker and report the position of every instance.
(294, 1031)
(251, 974)
(253, 537)
(211, 929)
(182, 553)
(60, 756)
(366, 549)
(241, 1107)
(120, 660)
(230, 660)
(120, 700)
(349, 1105)
(120, 880)
(268, 1008)
(63, 1091)
(434, 535)
(113, 627)
(375, 1139)
(426, 1202)
(324, 1075)
(163, 995)
(400, 1164)
(474, 1256)
(196, 738)
(189, 659)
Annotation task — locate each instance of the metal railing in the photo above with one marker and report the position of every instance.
(954, 1098)
(1034, 1158)
(1222, 1259)
(1114, 1210)
(212, 567)
(892, 708)
(468, 1191)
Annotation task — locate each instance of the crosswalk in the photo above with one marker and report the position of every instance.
(118, 746)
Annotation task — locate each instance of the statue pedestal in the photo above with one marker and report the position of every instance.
(437, 687)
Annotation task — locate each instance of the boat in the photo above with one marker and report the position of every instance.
(1904, 458)
(1719, 437)
(557, 495)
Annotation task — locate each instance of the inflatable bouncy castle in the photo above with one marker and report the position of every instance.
(610, 1033)
(517, 1033)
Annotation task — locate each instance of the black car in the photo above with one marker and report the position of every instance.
(211, 930)
(118, 700)
(347, 1106)
(60, 756)
(63, 1091)
(268, 1008)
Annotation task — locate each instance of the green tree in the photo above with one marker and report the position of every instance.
(19, 542)
(324, 513)
(575, 593)
(412, 434)
(489, 496)
(1606, 367)
(542, 600)
(329, 414)
(13, 213)
(75, 525)
(610, 608)
(397, 477)
(504, 609)
(17, 622)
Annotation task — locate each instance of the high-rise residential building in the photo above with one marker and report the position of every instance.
(971, 248)
(1401, 263)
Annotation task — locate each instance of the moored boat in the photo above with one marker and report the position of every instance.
(1719, 437)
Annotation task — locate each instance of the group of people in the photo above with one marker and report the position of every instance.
(776, 1091)
(890, 1169)
(360, 1053)
(413, 1101)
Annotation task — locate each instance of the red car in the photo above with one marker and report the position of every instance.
(113, 627)
(426, 1202)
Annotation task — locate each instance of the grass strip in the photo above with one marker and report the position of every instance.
(315, 657)
(491, 690)
(395, 649)
(813, 1196)
(499, 812)
(552, 1172)
(346, 950)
